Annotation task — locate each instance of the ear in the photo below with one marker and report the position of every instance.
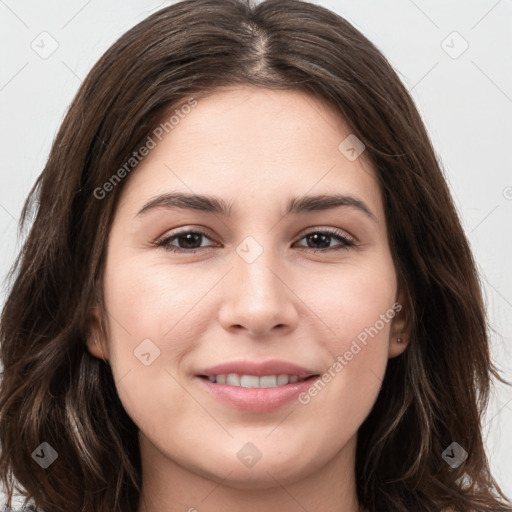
(401, 327)
(96, 343)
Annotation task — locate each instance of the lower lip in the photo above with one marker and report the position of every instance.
(256, 399)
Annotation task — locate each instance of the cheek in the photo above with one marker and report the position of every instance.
(355, 300)
(155, 319)
(357, 312)
(152, 300)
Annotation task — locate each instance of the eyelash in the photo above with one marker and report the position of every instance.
(346, 242)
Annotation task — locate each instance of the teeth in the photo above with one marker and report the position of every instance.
(283, 379)
(249, 381)
(253, 381)
(268, 381)
(233, 379)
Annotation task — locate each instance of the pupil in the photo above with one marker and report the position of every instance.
(319, 236)
(190, 240)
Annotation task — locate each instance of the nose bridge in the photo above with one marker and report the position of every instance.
(256, 297)
(253, 272)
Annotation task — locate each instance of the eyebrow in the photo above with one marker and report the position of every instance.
(215, 205)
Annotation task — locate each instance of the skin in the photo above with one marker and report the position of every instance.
(255, 148)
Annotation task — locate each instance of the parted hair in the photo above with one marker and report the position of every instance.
(53, 390)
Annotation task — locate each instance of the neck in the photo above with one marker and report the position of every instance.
(171, 487)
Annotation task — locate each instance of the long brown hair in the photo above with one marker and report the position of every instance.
(54, 391)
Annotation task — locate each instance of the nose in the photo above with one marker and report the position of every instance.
(258, 298)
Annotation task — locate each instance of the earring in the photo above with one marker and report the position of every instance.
(399, 340)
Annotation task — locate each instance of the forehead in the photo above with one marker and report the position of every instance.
(255, 143)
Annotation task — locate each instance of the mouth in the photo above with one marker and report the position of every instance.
(255, 381)
(255, 385)
(255, 393)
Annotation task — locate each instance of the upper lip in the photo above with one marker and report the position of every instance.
(258, 368)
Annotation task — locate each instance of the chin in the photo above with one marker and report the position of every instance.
(273, 468)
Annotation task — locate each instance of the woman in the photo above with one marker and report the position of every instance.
(246, 286)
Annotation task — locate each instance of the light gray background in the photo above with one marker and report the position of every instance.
(465, 99)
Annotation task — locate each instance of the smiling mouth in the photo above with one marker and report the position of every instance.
(254, 381)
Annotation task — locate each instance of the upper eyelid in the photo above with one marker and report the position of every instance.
(331, 231)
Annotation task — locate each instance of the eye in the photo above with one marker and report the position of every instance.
(189, 241)
(325, 237)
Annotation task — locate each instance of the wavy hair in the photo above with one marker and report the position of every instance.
(53, 390)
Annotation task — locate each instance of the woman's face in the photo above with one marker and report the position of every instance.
(306, 292)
